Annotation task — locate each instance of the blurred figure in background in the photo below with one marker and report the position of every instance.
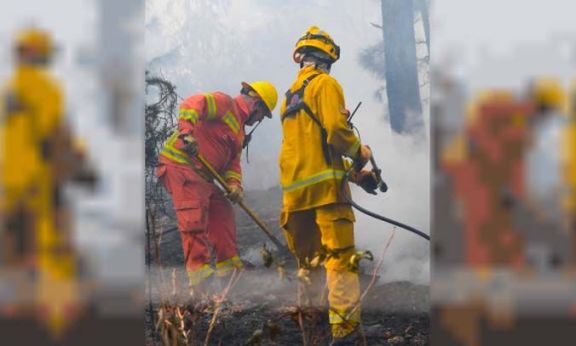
(65, 250)
(39, 154)
(568, 158)
(504, 165)
(487, 160)
(502, 237)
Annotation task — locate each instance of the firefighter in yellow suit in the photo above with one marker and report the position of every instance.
(34, 135)
(569, 171)
(315, 217)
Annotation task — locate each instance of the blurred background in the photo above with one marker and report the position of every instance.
(71, 266)
(502, 163)
(503, 158)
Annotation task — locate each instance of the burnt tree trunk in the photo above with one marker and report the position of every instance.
(423, 7)
(401, 70)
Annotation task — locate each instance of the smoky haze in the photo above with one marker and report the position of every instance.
(214, 45)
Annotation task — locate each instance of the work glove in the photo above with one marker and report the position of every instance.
(364, 155)
(190, 145)
(367, 180)
(236, 193)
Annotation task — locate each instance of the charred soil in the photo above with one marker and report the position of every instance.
(261, 308)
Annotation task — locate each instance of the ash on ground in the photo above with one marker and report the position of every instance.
(261, 309)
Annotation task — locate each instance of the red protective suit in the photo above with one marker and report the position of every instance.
(205, 216)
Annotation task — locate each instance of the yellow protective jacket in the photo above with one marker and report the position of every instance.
(569, 171)
(31, 108)
(307, 179)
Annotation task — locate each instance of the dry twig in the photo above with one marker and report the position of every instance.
(219, 300)
(374, 276)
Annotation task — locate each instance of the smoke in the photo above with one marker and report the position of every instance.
(492, 56)
(404, 161)
(214, 45)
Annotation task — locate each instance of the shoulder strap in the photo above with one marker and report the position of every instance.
(295, 100)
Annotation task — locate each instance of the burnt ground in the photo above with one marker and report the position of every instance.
(261, 308)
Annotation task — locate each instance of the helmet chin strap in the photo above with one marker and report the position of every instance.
(248, 138)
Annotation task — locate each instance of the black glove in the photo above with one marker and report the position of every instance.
(190, 145)
(364, 155)
(368, 181)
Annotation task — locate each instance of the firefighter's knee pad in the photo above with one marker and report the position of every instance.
(339, 259)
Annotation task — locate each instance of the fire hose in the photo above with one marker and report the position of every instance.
(383, 188)
(380, 185)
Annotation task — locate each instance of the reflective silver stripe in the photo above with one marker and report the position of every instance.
(314, 179)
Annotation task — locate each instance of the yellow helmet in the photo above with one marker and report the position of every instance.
(35, 42)
(547, 92)
(266, 91)
(316, 38)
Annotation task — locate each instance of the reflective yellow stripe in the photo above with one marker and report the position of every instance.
(351, 153)
(211, 106)
(231, 121)
(171, 152)
(200, 274)
(173, 155)
(172, 139)
(337, 317)
(232, 175)
(328, 174)
(188, 114)
(224, 267)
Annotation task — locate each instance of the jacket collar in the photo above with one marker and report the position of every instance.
(309, 70)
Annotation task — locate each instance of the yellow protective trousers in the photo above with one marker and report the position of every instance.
(330, 227)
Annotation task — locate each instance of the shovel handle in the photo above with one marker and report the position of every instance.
(242, 205)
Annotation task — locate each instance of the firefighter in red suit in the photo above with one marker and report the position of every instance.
(211, 124)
